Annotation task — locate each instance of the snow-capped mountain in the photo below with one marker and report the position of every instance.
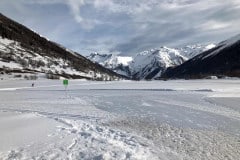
(24, 53)
(191, 51)
(222, 60)
(118, 64)
(148, 64)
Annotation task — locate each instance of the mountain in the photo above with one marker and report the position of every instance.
(222, 60)
(118, 64)
(191, 51)
(24, 52)
(148, 64)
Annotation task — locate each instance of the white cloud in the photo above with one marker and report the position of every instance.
(75, 6)
(214, 25)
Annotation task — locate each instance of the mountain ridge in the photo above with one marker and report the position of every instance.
(151, 63)
(222, 60)
(22, 45)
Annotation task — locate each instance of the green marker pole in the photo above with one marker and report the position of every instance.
(65, 83)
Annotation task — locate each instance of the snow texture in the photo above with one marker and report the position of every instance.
(197, 119)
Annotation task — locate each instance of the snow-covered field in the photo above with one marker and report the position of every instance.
(194, 119)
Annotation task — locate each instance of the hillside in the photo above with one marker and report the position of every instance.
(23, 51)
(222, 60)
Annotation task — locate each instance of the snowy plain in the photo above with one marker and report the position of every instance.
(177, 119)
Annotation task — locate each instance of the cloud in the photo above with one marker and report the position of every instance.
(214, 25)
(127, 26)
(180, 23)
(75, 6)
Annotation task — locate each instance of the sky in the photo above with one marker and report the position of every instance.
(127, 27)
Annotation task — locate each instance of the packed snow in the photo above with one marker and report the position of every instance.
(178, 119)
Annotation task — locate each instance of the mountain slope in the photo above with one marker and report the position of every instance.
(148, 64)
(222, 60)
(22, 50)
(118, 64)
(191, 51)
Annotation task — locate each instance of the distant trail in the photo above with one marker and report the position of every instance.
(45, 86)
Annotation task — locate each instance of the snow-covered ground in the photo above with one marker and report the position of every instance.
(194, 119)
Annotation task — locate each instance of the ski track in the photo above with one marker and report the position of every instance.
(89, 141)
(86, 132)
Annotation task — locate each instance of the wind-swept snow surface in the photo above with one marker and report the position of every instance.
(180, 119)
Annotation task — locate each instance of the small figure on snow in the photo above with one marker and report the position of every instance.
(32, 84)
